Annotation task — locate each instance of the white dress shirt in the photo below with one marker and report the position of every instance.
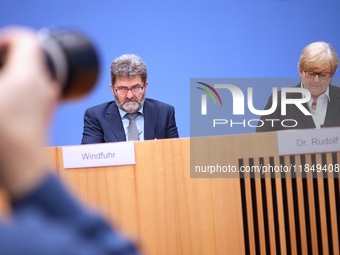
(319, 113)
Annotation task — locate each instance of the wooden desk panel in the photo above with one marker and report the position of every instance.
(156, 201)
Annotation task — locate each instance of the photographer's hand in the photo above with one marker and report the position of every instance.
(27, 98)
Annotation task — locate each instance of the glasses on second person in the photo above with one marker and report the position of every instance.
(321, 75)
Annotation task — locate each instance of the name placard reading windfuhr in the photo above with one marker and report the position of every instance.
(308, 141)
(96, 155)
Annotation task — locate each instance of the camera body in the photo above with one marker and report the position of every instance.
(71, 59)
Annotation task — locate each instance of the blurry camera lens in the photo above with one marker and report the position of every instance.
(71, 59)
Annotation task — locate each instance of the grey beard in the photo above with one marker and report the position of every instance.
(130, 106)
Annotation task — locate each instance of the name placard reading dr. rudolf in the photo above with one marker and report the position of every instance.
(308, 141)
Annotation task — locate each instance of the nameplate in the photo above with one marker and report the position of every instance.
(308, 141)
(99, 155)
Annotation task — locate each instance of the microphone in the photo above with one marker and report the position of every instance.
(71, 59)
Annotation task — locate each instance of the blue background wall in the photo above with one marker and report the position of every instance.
(180, 40)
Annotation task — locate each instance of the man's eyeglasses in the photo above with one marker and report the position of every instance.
(322, 75)
(134, 89)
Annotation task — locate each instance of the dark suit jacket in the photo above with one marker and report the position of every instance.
(103, 123)
(49, 221)
(332, 118)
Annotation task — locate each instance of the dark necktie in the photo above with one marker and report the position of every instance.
(132, 129)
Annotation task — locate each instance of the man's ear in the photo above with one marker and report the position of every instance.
(111, 87)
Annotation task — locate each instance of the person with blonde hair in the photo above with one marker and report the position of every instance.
(317, 65)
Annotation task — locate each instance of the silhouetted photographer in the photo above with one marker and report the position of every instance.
(45, 219)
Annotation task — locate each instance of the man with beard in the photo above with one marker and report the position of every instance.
(131, 116)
